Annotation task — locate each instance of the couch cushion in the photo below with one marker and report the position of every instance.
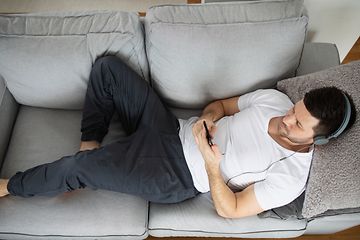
(8, 111)
(318, 56)
(43, 135)
(334, 181)
(198, 217)
(198, 53)
(334, 221)
(45, 58)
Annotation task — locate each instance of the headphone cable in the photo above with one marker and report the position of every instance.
(281, 159)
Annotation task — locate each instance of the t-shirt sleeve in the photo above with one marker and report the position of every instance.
(278, 190)
(264, 97)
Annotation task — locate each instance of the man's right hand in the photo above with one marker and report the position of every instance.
(198, 126)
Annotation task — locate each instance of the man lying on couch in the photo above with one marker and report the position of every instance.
(261, 158)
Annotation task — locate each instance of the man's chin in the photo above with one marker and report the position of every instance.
(283, 133)
(286, 137)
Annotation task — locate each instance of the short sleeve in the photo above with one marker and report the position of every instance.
(278, 190)
(264, 97)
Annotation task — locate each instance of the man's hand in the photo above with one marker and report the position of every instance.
(211, 154)
(199, 126)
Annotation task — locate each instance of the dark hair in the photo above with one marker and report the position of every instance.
(328, 105)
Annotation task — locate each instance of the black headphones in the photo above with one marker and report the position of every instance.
(321, 140)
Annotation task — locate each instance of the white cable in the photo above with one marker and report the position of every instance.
(281, 159)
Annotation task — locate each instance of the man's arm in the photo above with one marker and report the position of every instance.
(220, 108)
(227, 203)
(214, 111)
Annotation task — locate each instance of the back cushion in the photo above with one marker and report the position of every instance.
(46, 58)
(198, 53)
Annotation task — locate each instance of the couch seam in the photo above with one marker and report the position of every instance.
(331, 215)
(137, 57)
(62, 35)
(204, 5)
(201, 231)
(303, 47)
(78, 236)
(3, 93)
(290, 19)
(338, 55)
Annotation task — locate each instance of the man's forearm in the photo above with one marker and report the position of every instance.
(224, 199)
(213, 111)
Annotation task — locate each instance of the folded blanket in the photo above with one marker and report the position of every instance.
(334, 179)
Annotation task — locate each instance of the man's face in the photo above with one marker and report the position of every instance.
(297, 125)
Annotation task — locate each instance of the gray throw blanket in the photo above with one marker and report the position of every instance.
(334, 180)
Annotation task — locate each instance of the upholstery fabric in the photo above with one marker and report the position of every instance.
(334, 181)
(316, 57)
(189, 64)
(43, 135)
(45, 58)
(198, 217)
(333, 223)
(8, 111)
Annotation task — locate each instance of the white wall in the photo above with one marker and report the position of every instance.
(334, 21)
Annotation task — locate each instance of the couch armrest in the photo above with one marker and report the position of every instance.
(317, 57)
(8, 112)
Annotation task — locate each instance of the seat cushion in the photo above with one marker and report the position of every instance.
(43, 135)
(46, 58)
(198, 217)
(334, 221)
(199, 53)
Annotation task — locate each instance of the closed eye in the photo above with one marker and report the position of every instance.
(297, 122)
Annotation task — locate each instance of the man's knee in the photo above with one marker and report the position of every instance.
(103, 72)
(108, 61)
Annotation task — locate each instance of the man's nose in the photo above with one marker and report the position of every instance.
(289, 120)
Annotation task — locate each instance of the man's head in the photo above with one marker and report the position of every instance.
(319, 113)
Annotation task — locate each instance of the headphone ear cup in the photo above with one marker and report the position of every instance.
(321, 140)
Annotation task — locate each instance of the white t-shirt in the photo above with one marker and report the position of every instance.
(248, 148)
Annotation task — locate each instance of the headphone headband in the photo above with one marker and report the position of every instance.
(321, 140)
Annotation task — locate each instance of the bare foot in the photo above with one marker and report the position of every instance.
(3, 187)
(89, 145)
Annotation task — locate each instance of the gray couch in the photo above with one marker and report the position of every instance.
(191, 55)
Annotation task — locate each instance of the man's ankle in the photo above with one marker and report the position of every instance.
(89, 145)
(3, 187)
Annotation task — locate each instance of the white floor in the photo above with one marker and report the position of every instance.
(334, 21)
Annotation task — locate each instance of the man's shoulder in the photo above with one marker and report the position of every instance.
(270, 92)
(270, 97)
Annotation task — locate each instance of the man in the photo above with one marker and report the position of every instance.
(164, 159)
